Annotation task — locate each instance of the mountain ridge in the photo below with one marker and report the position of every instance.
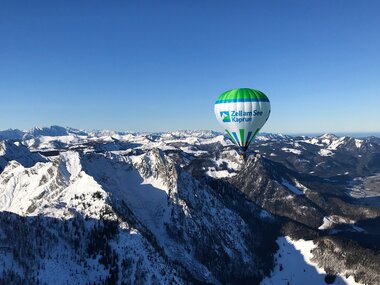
(182, 208)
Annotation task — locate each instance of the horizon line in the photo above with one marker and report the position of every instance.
(290, 133)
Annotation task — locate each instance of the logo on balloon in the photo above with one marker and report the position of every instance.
(225, 116)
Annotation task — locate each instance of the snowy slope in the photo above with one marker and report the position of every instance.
(60, 189)
(294, 266)
(146, 195)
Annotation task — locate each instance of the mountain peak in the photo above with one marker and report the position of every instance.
(328, 136)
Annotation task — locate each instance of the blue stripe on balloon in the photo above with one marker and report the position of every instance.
(242, 100)
(248, 137)
(236, 138)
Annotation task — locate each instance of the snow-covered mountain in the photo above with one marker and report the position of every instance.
(105, 207)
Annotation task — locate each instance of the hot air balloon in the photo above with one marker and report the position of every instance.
(242, 112)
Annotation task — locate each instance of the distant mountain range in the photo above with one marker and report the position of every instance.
(105, 207)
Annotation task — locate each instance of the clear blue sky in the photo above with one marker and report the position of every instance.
(160, 65)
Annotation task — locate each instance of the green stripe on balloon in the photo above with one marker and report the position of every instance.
(241, 133)
(231, 137)
(254, 134)
(242, 93)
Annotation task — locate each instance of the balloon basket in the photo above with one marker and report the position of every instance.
(243, 157)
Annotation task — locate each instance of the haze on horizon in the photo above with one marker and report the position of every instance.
(158, 66)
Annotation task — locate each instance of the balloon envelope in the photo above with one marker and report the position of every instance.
(242, 112)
